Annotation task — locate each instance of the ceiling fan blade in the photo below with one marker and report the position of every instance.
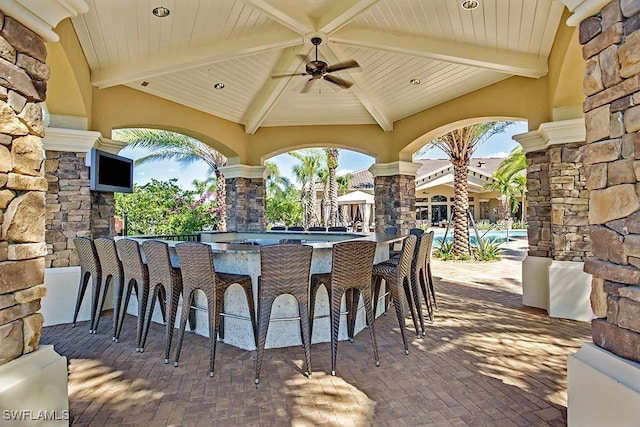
(304, 58)
(338, 81)
(307, 86)
(343, 66)
(277, 76)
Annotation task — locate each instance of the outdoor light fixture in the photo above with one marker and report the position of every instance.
(218, 86)
(415, 82)
(161, 12)
(470, 4)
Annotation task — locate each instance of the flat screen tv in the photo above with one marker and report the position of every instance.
(109, 172)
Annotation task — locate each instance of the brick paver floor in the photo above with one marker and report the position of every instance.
(486, 361)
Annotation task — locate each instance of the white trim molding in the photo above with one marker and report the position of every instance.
(394, 168)
(243, 171)
(70, 140)
(552, 133)
(583, 9)
(42, 16)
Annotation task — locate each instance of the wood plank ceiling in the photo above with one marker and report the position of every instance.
(241, 43)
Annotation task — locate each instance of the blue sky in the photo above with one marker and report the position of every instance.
(497, 146)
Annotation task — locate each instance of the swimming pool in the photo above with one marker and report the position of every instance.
(499, 236)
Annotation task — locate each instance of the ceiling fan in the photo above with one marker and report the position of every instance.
(320, 70)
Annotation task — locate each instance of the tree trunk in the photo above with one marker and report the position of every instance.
(221, 195)
(332, 164)
(461, 206)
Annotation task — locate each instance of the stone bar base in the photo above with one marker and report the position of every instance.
(603, 390)
(33, 390)
(560, 287)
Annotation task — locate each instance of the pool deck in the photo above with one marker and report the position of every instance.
(486, 360)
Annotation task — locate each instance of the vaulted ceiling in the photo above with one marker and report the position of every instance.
(242, 43)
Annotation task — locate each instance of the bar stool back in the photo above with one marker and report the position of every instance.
(397, 279)
(285, 269)
(89, 269)
(351, 268)
(112, 272)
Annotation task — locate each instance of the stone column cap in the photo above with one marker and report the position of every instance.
(552, 133)
(43, 16)
(583, 9)
(394, 168)
(243, 171)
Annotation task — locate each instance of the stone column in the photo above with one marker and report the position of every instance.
(73, 210)
(611, 43)
(395, 195)
(22, 193)
(552, 276)
(610, 365)
(484, 209)
(246, 197)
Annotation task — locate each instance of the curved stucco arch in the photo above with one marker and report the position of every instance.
(434, 133)
(267, 156)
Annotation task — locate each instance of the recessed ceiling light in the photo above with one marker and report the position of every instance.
(470, 4)
(415, 82)
(161, 12)
(218, 86)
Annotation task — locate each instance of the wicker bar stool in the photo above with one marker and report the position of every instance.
(165, 279)
(428, 278)
(197, 270)
(397, 279)
(418, 275)
(351, 269)
(285, 269)
(89, 269)
(112, 272)
(136, 276)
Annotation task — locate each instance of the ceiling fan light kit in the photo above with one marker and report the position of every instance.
(317, 69)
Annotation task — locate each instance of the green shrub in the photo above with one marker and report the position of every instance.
(446, 252)
(519, 225)
(487, 250)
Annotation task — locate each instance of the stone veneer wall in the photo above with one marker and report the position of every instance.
(569, 204)
(395, 200)
(246, 204)
(611, 48)
(22, 188)
(538, 204)
(72, 209)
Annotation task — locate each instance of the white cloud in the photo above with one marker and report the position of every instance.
(341, 172)
(498, 154)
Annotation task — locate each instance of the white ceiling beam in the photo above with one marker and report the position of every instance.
(519, 64)
(343, 13)
(220, 51)
(360, 89)
(261, 106)
(294, 18)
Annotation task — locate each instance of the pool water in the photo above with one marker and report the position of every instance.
(498, 236)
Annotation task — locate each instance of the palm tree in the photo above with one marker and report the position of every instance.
(323, 178)
(459, 145)
(332, 165)
(184, 150)
(510, 180)
(306, 174)
(343, 183)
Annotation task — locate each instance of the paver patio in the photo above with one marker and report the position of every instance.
(486, 360)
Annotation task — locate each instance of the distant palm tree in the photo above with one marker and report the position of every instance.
(306, 174)
(344, 181)
(332, 165)
(510, 180)
(459, 145)
(184, 150)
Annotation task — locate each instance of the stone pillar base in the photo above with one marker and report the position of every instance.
(560, 287)
(603, 389)
(33, 390)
